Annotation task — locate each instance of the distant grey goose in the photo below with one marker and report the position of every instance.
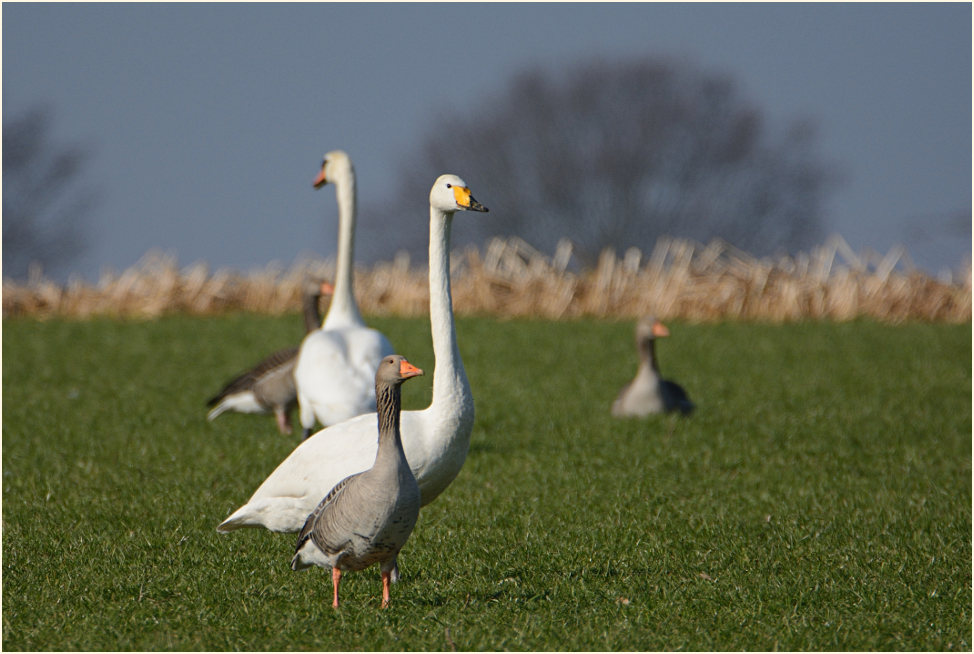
(367, 517)
(648, 392)
(269, 386)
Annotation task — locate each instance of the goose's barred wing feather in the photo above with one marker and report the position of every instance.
(245, 381)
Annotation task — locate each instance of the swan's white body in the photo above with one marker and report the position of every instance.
(435, 439)
(336, 365)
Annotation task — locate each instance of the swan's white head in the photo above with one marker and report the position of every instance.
(335, 164)
(450, 194)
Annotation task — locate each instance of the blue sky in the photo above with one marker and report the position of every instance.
(207, 122)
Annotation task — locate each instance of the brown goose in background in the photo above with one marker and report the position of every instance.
(311, 303)
(367, 517)
(648, 392)
(269, 386)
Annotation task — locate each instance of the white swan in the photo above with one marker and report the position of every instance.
(335, 371)
(435, 439)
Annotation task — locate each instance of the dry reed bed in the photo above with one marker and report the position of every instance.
(679, 279)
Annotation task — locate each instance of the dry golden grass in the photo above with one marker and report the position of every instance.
(679, 279)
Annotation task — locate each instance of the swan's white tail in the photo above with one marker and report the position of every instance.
(281, 515)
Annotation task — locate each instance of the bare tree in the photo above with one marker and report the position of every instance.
(44, 207)
(617, 154)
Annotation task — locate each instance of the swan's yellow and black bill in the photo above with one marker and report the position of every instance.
(407, 370)
(466, 201)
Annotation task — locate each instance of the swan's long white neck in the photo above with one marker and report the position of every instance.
(344, 311)
(450, 386)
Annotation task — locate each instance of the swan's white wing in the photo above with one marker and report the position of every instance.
(286, 498)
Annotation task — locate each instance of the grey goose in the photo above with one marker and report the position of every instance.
(648, 392)
(269, 386)
(368, 516)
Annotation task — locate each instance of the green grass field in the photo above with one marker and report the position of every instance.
(820, 498)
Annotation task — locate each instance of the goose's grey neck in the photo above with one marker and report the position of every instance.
(312, 319)
(388, 405)
(647, 352)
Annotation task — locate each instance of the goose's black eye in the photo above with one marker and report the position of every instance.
(449, 185)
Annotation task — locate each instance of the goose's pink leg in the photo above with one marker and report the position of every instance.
(283, 421)
(336, 578)
(385, 588)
